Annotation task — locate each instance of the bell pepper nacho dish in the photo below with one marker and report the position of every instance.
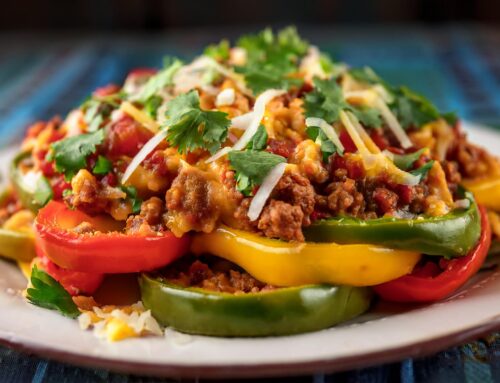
(261, 189)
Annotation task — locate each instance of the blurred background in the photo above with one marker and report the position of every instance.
(54, 53)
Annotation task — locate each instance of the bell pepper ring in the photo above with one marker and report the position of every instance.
(451, 235)
(283, 311)
(105, 250)
(293, 264)
(486, 191)
(422, 286)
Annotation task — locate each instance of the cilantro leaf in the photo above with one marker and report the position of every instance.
(190, 127)
(252, 167)
(98, 108)
(327, 147)
(43, 191)
(413, 109)
(259, 139)
(152, 104)
(71, 154)
(102, 166)
(272, 59)
(46, 292)
(131, 193)
(160, 80)
(326, 101)
(219, 52)
(405, 161)
(423, 170)
(366, 75)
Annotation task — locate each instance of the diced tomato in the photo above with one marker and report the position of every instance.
(378, 137)
(106, 90)
(282, 148)
(126, 137)
(59, 185)
(347, 141)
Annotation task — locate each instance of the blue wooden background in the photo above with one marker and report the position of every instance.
(457, 67)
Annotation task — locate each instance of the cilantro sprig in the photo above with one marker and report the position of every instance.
(327, 100)
(272, 59)
(219, 52)
(98, 108)
(132, 195)
(251, 167)
(326, 146)
(160, 80)
(190, 127)
(70, 154)
(46, 292)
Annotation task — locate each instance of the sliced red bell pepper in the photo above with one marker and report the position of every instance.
(103, 250)
(426, 284)
(74, 282)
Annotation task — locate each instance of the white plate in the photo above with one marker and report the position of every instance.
(385, 334)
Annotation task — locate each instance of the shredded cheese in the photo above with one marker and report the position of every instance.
(393, 124)
(140, 116)
(226, 97)
(327, 129)
(143, 153)
(243, 121)
(258, 114)
(265, 190)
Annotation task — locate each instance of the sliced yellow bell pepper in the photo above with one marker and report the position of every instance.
(486, 191)
(291, 263)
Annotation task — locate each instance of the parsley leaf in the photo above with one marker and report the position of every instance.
(423, 170)
(405, 161)
(326, 101)
(43, 191)
(272, 59)
(48, 293)
(71, 154)
(102, 166)
(219, 52)
(190, 127)
(160, 80)
(327, 147)
(259, 139)
(131, 193)
(252, 167)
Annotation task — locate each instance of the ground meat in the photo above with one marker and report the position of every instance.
(296, 190)
(214, 275)
(472, 161)
(344, 199)
(149, 220)
(386, 200)
(282, 220)
(453, 176)
(194, 201)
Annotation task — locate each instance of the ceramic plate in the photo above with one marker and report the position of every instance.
(387, 333)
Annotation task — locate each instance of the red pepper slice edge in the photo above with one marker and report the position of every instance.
(428, 288)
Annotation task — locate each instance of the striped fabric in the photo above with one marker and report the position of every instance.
(457, 67)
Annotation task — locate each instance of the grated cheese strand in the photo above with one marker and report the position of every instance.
(143, 153)
(393, 124)
(139, 116)
(265, 190)
(353, 133)
(327, 129)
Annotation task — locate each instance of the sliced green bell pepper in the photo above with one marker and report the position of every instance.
(451, 235)
(32, 197)
(277, 312)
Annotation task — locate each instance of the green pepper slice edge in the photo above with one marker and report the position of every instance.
(451, 235)
(284, 311)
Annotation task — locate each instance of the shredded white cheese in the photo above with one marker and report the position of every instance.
(327, 129)
(226, 97)
(143, 153)
(258, 113)
(265, 190)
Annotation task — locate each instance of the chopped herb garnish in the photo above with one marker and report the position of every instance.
(160, 80)
(71, 154)
(327, 147)
(259, 139)
(423, 170)
(98, 108)
(219, 52)
(326, 101)
(43, 191)
(136, 201)
(102, 166)
(272, 59)
(412, 109)
(46, 292)
(252, 167)
(152, 104)
(191, 128)
(406, 161)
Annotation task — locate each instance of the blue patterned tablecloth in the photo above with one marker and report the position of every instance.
(457, 67)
